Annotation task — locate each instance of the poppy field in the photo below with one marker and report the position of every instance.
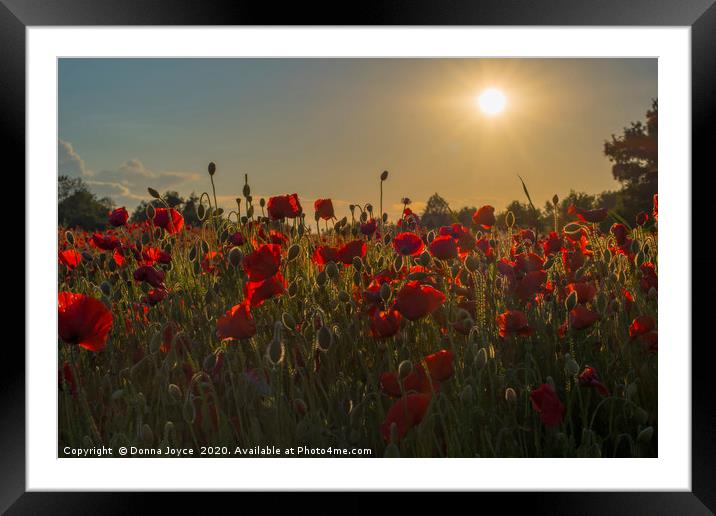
(279, 324)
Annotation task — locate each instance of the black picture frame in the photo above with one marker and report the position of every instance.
(700, 15)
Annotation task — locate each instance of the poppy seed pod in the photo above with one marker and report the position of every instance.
(212, 168)
(384, 175)
(324, 338)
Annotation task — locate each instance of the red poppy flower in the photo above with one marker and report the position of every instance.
(155, 277)
(649, 279)
(284, 207)
(368, 227)
(237, 238)
(547, 404)
(152, 255)
(485, 217)
(66, 379)
(169, 219)
(620, 233)
(237, 323)
(408, 244)
(417, 381)
(596, 215)
(83, 320)
(415, 300)
(70, 258)
(589, 378)
(324, 254)
(105, 242)
(385, 323)
(443, 248)
(532, 283)
(650, 341)
(641, 325)
(351, 250)
(641, 218)
(257, 292)
(581, 317)
(406, 413)
(553, 243)
(585, 291)
(484, 245)
(656, 207)
(513, 322)
(263, 263)
(118, 217)
(572, 260)
(440, 365)
(528, 262)
(324, 208)
(155, 296)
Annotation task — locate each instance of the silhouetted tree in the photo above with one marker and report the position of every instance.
(437, 213)
(78, 207)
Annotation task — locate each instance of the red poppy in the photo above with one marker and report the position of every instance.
(105, 242)
(547, 404)
(485, 217)
(573, 260)
(620, 233)
(656, 207)
(284, 207)
(384, 323)
(641, 325)
(417, 381)
(118, 217)
(83, 320)
(641, 218)
(236, 323)
(581, 317)
(650, 341)
(553, 243)
(70, 258)
(596, 215)
(649, 279)
(152, 255)
(589, 378)
(148, 274)
(528, 262)
(324, 208)
(351, 250)
(263, 263)
(408, 244)
(324, 254)
(440, 365)
(66, 379)
(513, 322)
(237, 238)
(526, 235)
(406, 413)
(585, 291)
(532, 283)
(484, 245)
(368, 227)
(155, 296)
(443, 248)
(257, 292)
(169, 219)
(415, 300)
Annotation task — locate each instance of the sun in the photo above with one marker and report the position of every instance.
(492, 101)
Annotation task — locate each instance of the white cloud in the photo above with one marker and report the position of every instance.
(69, 162)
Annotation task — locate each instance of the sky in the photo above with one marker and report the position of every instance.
(327, 128)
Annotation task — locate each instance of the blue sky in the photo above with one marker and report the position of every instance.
(328, 127)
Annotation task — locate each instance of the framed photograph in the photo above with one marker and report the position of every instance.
(425, 249)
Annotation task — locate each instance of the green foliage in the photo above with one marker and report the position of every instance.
(78, 207)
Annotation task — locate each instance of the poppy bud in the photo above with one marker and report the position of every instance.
(106, 288)
(571, 301)
(209, 362)
(385, 291)
(174, 392)
(571, 367)
(404, 369)
(189, 411)
(275, 351)
(236, 257)
(169, 432)
(343, 297)
(250, 211)
(321, 278)
(398, 263)
(393, 432)
(212, 168)
(392, 451)
(472, 263)
(555, 200)
(386, 239)
(70, 237)
(357, 263)
(357, 279)
(467, 396)
(645, 435)
(288, 321)
(332, 270)
(550, 381)
(147, 435)
(153, 193)
(641, 416)
(424, 259)
(293, 252)
(117, 395)
(247, 190)
(481, 358)
(652, 293)
(509, 219)
(510, 395)
(384, 175)
(293, 289)
(324, 338)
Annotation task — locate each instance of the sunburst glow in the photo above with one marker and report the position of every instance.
(492, 101)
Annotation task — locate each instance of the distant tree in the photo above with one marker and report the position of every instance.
(635, 159)
(78, 207)
(437, 213)
(464, 216)
(524, 215)
(189, 210)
